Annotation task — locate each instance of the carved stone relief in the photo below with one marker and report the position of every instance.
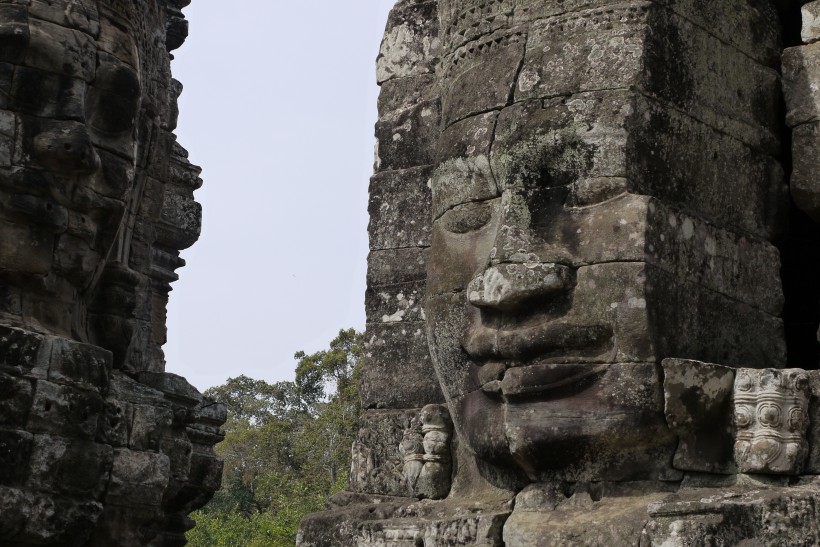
(619, 294)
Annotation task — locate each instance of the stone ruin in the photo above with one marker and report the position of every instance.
(594, 280)
(99, 446)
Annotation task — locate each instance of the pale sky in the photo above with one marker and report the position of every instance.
(278, 109)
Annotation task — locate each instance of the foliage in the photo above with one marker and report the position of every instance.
(286, 448)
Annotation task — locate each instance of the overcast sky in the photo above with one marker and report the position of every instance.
(278, 109)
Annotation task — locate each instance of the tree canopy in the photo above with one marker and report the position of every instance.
(286, 448)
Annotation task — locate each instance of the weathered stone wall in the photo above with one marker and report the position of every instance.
(98, 445)
(407, 135)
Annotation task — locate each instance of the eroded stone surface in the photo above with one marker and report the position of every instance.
(607, 210)
(99, 445)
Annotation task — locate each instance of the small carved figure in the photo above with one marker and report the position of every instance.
(425, 447)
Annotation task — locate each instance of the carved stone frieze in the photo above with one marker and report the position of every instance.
(771, 417)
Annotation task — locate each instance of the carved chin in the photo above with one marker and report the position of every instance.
(605, 425)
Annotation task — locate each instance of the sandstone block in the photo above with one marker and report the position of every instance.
(805, 182)
(480, 76)
(64, 410)
(801, 71)
(400, 209)
(393, 266)
(810, 32)
(79, 469)
(138, 477)
(402, 94)
(15, 400)
(395, 303)
(697, 405)
(15, 453)
(393, 350)
(410, 45)
(80, 365)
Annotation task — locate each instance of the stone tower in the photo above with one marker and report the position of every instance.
(99, 446)
(592, 294)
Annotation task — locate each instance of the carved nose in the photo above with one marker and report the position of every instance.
(66, 148)
(509, 285)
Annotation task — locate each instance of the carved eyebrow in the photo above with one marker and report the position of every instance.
(466, 202)
(462, 180)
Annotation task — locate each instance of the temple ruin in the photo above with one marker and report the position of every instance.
(593, 295)
(99, 446)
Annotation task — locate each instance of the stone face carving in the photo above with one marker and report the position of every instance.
(96, 201)
(610, 221)
(561, 268)
(771, 417)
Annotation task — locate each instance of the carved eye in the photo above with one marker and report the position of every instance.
(113, 100)
(468, 217)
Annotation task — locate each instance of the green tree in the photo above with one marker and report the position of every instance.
(286, 448)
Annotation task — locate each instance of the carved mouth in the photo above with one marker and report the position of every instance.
(549, 381)
(561, 340)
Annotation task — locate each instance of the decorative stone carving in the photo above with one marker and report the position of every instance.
(425, 448)
(609, 214)
(771, 417)
(98, 445)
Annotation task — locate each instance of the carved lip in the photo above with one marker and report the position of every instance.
(557, 338)
(550, 381)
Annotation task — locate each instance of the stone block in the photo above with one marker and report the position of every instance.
(398, 350)
(805, 181)
(480, 76)
(113, 424)
(409, 139)
(393, 266)
(138, 477)
(64, 410)
(15, 400)
(75, 468)
(410, 45)
(605, 135)
(395, 303)
(22, 350)
(377, 466)
(86, 20)
(402, 94)
(740, 188)
(584, 51)
(482, 528)
(400, 209)
(148, 425)
(15, 32)
(42, 519)
(15, 454)
(650, 47)
(463, 172)
(80, 365)
(61, 50)
(26, 249)
(698, 409)
(810, 31)
(206, 471)
(801, 77)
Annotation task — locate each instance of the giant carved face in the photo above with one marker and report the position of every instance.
(71, 92)
(583, 231)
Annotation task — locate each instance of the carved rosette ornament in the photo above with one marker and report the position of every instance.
(425, 447)
(771, 418)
